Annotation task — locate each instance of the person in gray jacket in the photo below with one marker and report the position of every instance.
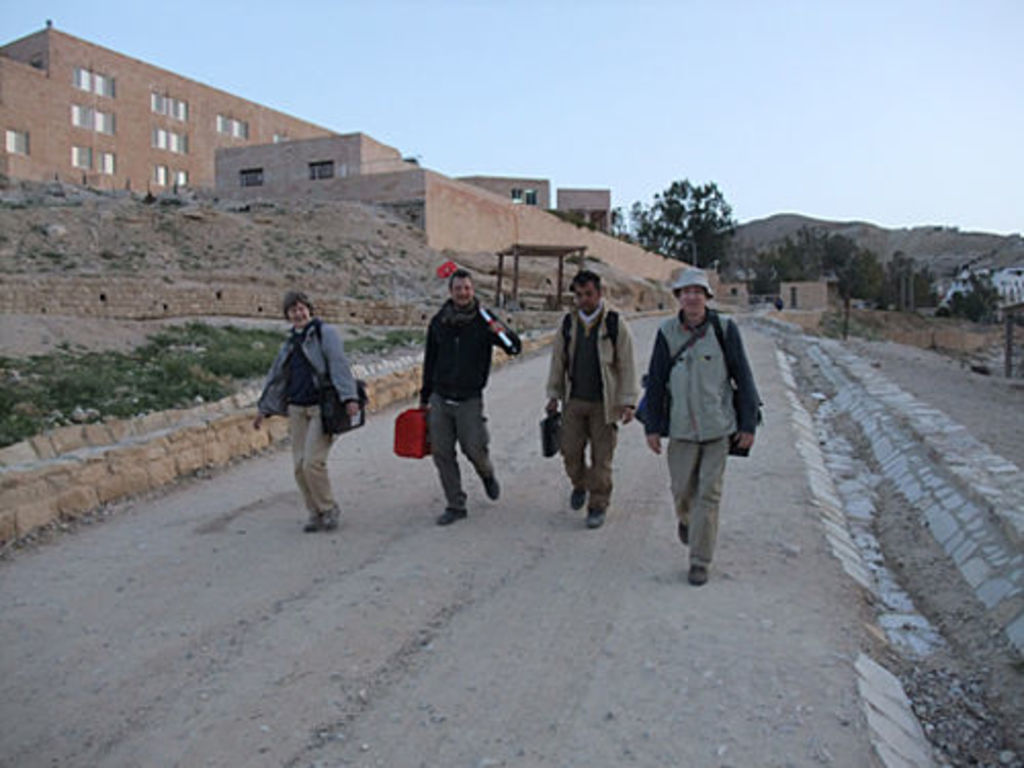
(292, 389)
(696, 359)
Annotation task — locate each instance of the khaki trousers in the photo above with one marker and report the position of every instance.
(584, 422)
(696, 470)
(461, 422)
(309, 455)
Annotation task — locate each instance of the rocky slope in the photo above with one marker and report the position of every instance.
(944, 249)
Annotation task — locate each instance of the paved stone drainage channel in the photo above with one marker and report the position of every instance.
(895, 732)
(979, 529)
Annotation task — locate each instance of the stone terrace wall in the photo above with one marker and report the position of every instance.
(143, 299)
(71, 471)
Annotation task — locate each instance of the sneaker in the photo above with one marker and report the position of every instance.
(579, 495)
(330, 519)
(314, 524)
(595, 518)
(492, 487)
(698, 575)
(451, 515)
(684, 533)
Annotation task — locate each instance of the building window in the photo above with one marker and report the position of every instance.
(323, 169)
(237, 128)
(160, 175)
(165, 105)
(92, 119)
(82, 117)
(103, 85)
(530, 197)
(175, 142)
(36, 61)
(81, 157)
(181, 178)
(105, 122)
(107, 163)
(251, 177)
(178, 143)
(86, 80)
(517, 195)
(16, 142)
(83, 79)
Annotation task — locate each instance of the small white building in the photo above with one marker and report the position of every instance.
(1008, 282)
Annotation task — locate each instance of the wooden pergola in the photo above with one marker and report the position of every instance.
(519, 250)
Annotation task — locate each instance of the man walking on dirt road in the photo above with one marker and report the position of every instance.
(592, 372)
(456, 366)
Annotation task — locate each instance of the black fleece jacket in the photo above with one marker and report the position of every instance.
(457, 362)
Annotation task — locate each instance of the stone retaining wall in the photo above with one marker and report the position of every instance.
(145, 299)
(71, 471)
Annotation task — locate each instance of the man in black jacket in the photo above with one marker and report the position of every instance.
(455, 370)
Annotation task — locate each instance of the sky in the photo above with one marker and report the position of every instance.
(901, 113)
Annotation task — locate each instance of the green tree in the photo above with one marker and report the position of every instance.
(686, 222)
(979, 304)
(857, 272)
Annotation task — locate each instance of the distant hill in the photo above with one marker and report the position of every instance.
(944, 249)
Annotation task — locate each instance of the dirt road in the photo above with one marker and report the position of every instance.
(202, 628)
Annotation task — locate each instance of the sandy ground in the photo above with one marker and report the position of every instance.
(200, 627)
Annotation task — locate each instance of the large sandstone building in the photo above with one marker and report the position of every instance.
(74, 111)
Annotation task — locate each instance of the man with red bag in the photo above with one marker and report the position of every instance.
(456, 367)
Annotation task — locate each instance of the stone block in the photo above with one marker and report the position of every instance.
(91, 472)
(34, 514)
(975, 570)
(19, 453)
(942, 524)
(151, 422)
(97, 434)
(66, 439)
(188, 459)
(162, 471)
(278, 429)
(32, 487)
(258, 439)
(119, 429)
(216, 453)
(42, 446)
(76, 500)
(153, 450)
(124, 480)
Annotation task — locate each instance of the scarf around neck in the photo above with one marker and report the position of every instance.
(459, 316)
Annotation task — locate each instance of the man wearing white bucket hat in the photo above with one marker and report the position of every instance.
(701, 396)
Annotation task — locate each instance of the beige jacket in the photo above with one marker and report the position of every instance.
(618, 370)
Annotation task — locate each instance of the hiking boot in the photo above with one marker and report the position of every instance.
(684, 533)
(595, 518)
(451, 515)
(330, 519)
(698, 575)
(492, 488)
(315, 523)
(579, 495)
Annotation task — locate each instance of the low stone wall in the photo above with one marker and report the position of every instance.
(945, 339)
(71, 471)
(141, 299)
